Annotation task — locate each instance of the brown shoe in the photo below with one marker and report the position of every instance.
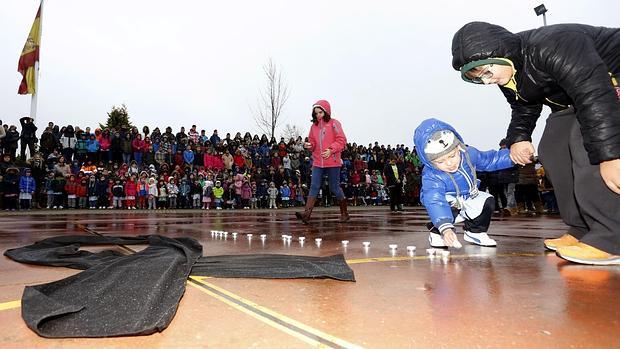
(585, 254)
(305, 216)
(564, 240)
(344, 215)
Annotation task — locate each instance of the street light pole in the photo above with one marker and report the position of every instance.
(541, 10)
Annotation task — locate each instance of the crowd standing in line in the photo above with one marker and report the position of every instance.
(81, 168)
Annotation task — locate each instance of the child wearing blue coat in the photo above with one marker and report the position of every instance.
(450, 187)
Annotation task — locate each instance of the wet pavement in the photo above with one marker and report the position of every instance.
(516, 295)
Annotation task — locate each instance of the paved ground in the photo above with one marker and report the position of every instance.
(515, 295)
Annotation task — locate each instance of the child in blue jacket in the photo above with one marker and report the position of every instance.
(450, 187)
(27, 188)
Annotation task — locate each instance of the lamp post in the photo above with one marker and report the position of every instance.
(541, 10)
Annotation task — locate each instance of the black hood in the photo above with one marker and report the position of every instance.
(479, 40)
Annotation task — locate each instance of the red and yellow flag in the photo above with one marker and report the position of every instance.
(29, 56)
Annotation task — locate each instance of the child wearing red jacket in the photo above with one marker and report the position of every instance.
(130, 193)
(82, 192)
(71, 189)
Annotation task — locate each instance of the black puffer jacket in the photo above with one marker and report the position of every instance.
(558, 65)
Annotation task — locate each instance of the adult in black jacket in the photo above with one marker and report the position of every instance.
(394, 173)
(10, 141)
(48, 142)
(571, 68)
(28, 136)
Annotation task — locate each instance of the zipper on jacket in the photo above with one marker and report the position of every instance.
(468, 179)
(558, 104)
(321, 134)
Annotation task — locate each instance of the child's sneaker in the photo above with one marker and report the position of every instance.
(481, 239)
(435, 240)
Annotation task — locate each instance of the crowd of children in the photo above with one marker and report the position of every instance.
(123, 168)
(109, 168)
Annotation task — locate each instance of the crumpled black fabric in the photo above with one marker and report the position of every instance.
(138, 294)
(117, 295)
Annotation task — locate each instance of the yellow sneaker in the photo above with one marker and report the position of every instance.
(586, 254)
(564, 240)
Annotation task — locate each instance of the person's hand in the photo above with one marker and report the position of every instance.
(307, 145)
(450, 239)
(522, 152)
(326, 153)
(610, 172)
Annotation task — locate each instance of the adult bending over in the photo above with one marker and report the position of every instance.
(573, 69)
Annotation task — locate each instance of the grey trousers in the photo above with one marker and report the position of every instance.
(587, 205)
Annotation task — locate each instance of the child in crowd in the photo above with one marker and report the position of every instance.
(142, 190)
(92, 192)
(184, 190)
(27, 188)
(11, 188)
(195, 191)
(238, 189)
(131, 190)
(218, 194)
(230, 194)
(246, 193)
(58, 187)
(299, 195)
(273, 195)
(111, 193)
(285, 194)
(254, 198)
(207, 192)
(450, 187)
(48, 189)
(118, 191)
(173, 191)
(71, 189)
(153, 192)
(262, 194)
(82, 192)
(162, 197)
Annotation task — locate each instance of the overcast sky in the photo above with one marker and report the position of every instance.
(383, 65)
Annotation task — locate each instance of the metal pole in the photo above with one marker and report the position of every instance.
(544, 19)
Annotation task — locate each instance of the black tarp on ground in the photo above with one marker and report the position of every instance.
(138, 294)
(118, 295)
(274, 266)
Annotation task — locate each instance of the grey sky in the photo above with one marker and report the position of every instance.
(384, 66)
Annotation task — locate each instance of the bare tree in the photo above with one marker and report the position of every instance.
(291, 131)
(272, 99)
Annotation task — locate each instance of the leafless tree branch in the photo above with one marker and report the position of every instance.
(271, 100)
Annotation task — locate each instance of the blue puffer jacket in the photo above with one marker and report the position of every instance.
(27, 184)
(437, 185)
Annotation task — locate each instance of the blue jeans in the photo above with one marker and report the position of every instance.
(126, 158)
(333, 175)
(137, 155)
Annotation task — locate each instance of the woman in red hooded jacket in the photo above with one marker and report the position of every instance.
(326, 141)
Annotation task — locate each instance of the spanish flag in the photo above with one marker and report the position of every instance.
(30, 56)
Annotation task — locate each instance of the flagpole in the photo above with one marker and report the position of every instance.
(35, 94)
